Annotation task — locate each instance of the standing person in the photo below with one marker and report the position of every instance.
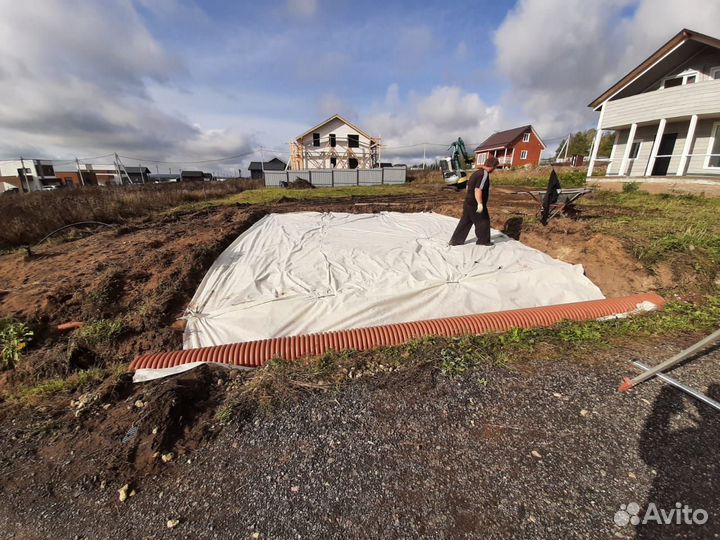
(475, 210)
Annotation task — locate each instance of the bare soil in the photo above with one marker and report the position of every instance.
(381, 458)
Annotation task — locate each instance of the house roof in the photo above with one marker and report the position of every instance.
(505, 138)
(137, 170)
(274, 164)
(678, 39)
(334, 116)
(192, 173)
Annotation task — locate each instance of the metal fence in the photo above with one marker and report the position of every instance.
(339, 177)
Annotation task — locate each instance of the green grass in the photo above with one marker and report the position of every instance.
(273, 195)
(657, 226)
(537, 177)
(14, 338)
(100, 331)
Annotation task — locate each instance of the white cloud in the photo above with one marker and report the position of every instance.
(329, 104)
(558, 55)
(88, 94)
(304, 8)
(440, 117)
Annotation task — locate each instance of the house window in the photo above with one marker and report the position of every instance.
(715, 73)
(481, 158)
(634, 150)
(712, 161)
(523, 154)
(332, 140)
(333, 162)
(526, 137)
(316, 139)
(353, 141)
(686, 77)
(352, 163)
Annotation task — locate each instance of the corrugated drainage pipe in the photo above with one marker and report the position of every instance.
(256, 353)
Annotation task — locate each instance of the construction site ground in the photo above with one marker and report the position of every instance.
(520, 435)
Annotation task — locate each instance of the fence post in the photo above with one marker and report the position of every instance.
(310, 176)
(357, 172)
(332, 177)
(382, 175)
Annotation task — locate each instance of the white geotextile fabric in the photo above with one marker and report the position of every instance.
(307, 272)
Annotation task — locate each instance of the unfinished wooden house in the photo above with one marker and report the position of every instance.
(335, 144)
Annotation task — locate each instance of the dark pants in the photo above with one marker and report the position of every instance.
(469, 218)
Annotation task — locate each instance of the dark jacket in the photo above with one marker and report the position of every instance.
(476, 181)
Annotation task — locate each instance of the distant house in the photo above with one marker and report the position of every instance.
(258, 168)
(513, 147)
(666, 112)
(29, 174)
(195, 176)
(335, 143)
(137, 175)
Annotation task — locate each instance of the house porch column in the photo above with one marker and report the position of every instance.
(596, 142)
(626, 153)
(656, 146)
(688, 144)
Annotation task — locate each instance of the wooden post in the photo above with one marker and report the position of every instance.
(332, 177)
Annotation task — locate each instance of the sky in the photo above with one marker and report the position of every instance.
(172, 83)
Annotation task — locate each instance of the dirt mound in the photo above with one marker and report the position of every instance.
(300, 183)
(123, 431)
(606, 261)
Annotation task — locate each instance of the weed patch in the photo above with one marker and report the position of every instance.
(14, 337)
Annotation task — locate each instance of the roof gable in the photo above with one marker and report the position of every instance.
(682, 37)
(504, 138)
(334, 117)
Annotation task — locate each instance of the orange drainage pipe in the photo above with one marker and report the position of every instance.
(257, 353)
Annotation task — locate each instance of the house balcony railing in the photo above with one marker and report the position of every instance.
(701, 98)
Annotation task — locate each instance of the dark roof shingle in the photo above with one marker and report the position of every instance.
(503, 138)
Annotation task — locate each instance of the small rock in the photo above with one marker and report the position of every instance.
(295, 489)
(557, 394)
(584, 412)
(139, 404)
(106, 406)
(255, 535)
(132, 493)
(123, 493)
(167, 458)
(632, 475)
(154, 431)
(531, 519)
(172, 523)
(102, 484)
(536, 454)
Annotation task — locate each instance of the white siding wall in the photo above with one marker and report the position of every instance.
(701, 98)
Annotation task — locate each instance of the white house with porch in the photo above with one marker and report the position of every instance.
(665, 113)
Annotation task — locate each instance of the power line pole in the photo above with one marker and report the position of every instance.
(82, 180)
(142, 173)
(23, 177)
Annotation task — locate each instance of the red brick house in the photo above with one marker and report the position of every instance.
(514, 147)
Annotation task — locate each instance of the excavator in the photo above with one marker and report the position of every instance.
(453, 167)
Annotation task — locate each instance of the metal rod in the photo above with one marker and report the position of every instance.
(682, 355)
(677, 384)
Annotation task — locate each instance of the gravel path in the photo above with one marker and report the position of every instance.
(544, 450)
